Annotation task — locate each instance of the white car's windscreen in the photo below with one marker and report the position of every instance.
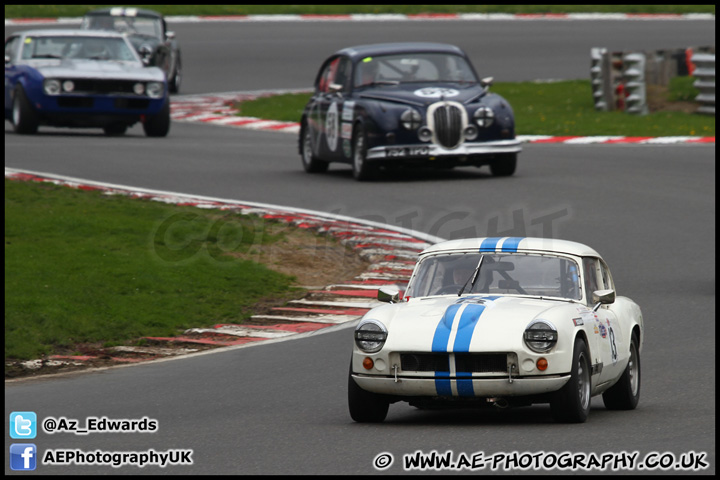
(500, 274)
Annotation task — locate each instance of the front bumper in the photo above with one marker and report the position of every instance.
(461, 386)
(431, 151)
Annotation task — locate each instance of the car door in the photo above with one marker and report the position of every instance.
(608, 336)
(331, 92)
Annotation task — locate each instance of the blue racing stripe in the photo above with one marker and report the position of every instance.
(464, 385)
(442, 331)
(466, 327)
(511, 244)
(489, 244)
(442, 383)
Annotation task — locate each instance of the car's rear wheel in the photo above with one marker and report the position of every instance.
(504, 165)
(571, 404)
(625, 394)
(362, 169)
(364, 406)
(310, 162)
(24, 118)
(158, 125)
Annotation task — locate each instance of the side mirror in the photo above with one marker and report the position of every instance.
(486, 82)
(388, 294)
(146, 53)
(170, 35)
(602, 297)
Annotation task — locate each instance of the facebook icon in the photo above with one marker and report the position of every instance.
(22, 456)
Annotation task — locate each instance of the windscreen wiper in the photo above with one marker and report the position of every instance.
(473, 277)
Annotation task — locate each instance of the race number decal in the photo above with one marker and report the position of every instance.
(332, 127)
(436, 92)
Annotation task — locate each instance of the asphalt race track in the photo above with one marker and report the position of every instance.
(280, 407)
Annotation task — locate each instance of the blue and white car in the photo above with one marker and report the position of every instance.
(82, 79)
(500, 322)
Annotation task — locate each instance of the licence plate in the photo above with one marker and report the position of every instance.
(408, 152)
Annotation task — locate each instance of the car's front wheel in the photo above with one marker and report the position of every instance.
(174, 83)
(571, 404)
(365, 407)
(24, 118)
(158, 125)
(625, 394)
(504, 165)
(362, 169)
(310, 162)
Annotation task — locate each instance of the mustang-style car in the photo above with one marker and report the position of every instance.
(405, 104)
(82, 78)
(502, 322)
(147, 31)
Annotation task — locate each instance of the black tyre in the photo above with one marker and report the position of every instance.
(571, 404)
(310, 162)
(158, 125)
(504, 165)
(24, 118)
(625, 394)
(364, 406)
(362, 169)
(174, 82)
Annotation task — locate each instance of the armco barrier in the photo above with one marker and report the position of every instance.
(704, 72)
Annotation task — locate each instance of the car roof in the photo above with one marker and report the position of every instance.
(42, 32)
(124, 12)
(362, 51)
(514, 244)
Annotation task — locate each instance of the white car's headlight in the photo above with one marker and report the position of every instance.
(139, 88)
(411, 119)
(540, 336)
(484, 117)
(51, 86)
(154, 89)
(370, 336)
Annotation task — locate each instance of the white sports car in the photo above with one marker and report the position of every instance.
(500, 321)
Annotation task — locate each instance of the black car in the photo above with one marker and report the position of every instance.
(404, 105)
(148, 33)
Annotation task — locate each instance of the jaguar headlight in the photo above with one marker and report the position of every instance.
(484, 117)
(51, 86)
(411, 119)
(540, 336)
(154, 89)
(370, 336)
(139, 88)
(68, 86)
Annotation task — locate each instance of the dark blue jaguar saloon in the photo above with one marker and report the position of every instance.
(405, 105)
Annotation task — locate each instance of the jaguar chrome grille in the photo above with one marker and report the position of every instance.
(464, 362)
(448, 121)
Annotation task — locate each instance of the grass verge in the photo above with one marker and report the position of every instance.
(562, 108)
(84, 267)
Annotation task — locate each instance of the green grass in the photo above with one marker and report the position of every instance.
(558, 108)
(45, 11)
(83, 267)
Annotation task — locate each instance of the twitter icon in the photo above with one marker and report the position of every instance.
(23, 425)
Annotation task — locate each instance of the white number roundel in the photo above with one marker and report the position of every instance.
(436, 92)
